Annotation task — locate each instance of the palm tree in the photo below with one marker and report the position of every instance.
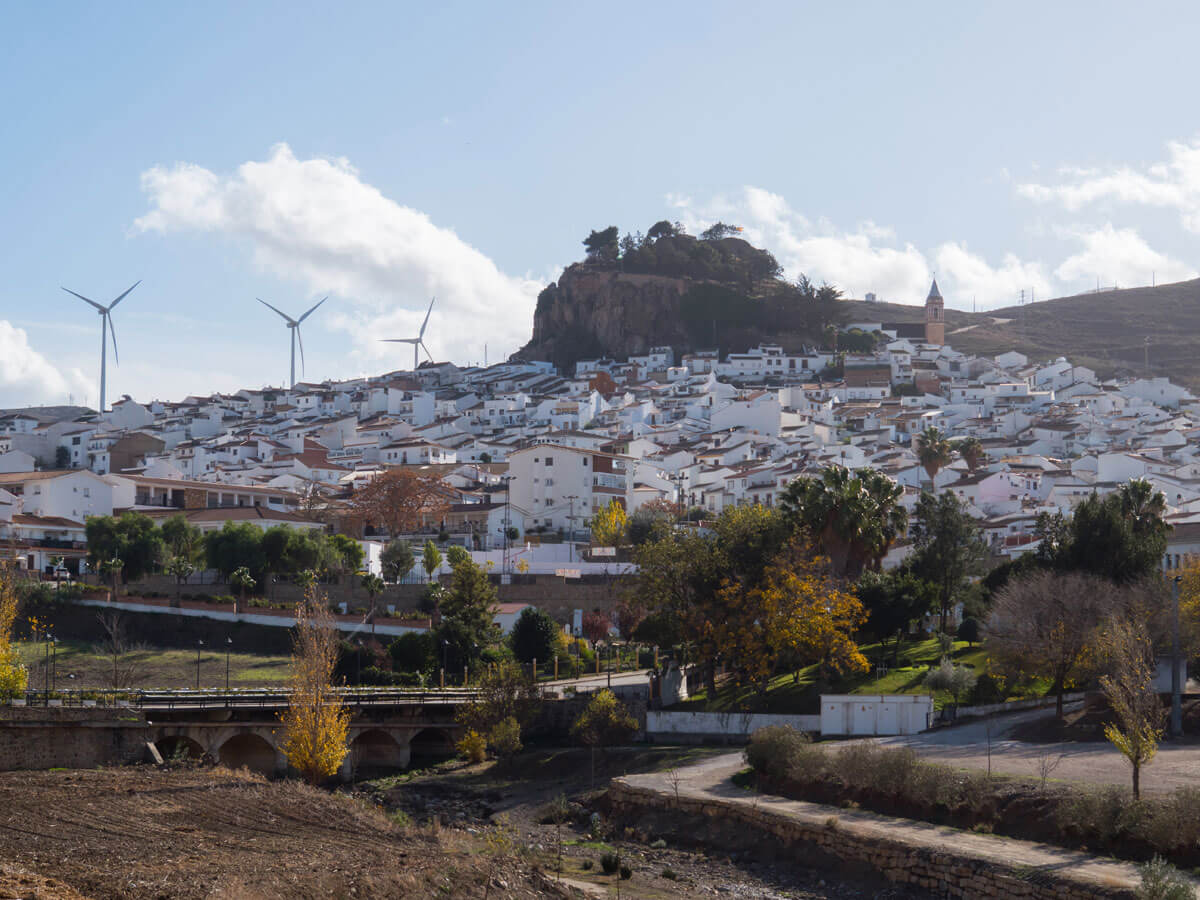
(933, 450)
(853, 518)
(971, 450)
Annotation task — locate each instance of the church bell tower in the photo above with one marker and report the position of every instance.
(935, 316)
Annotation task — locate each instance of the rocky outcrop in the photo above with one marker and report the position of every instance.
(594, 311)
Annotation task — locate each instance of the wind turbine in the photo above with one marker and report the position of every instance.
(106, 325)
(294, 326)
(419, 341)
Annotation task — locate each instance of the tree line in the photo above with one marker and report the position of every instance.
(130, 546)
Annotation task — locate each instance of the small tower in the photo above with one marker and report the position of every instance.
(935, 316)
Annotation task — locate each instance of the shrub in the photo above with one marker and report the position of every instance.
(1097, 813)
(988, 689)
(505, 737)
(1169, 822)
(773, 751)
(473, 746)
(586, 865)
(669, 874)
(626, 873)
(610, 863)
(1162, 881)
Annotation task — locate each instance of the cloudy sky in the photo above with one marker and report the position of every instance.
(383, 154)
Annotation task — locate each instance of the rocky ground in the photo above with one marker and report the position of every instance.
(473, 799)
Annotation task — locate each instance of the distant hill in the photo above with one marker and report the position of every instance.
(50, 413)
(1105, 331)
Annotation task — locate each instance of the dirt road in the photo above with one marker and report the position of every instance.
(1097, 762)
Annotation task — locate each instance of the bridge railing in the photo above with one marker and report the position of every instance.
(265, 698)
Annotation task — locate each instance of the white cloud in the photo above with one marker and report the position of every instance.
(856, 261)
(1172, 184)
(317, 222)
(28, 378)
(1117, 256)
(973, 279)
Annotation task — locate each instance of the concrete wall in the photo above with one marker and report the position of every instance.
(559, 597)
(665, 726)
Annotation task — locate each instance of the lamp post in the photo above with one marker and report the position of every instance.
(46, 669)
(53, 663)
(445, 646)
(228, 647)
(199, 645)
(1176, 687)
(358, 662)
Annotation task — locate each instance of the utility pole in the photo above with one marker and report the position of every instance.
(571, 534)
(1176, 687)
(507, 496)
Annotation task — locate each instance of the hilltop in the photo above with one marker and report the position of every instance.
(669, 288)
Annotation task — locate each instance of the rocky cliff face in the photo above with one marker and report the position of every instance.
(596, 311)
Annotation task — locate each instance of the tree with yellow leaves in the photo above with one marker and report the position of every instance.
(316, 722)
(797, 612)
(610, 525)
(13, 676)
(1129, 688)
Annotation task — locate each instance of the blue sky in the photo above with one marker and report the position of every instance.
(383, 153)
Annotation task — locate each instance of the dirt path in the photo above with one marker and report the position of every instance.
(1096, 762)
(711, 780)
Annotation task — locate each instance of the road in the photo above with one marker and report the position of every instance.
(1096, 762)
(587, 683)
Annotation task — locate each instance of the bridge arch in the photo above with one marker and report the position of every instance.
(249, 750)
(375, 750)
(179, 747)
(429, 745)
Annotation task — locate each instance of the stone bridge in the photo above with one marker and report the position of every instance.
(377, 743)
(386, 733)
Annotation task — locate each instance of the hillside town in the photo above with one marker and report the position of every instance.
(525, 456)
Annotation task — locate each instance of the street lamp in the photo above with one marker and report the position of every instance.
(358, 662)
(53, 663)
(1176, 687)
(46, 639)
(228, 647)
(199, 645)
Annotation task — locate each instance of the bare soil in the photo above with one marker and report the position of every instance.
(140, 832)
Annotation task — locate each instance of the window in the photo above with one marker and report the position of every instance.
(549, 460)
(585, 460)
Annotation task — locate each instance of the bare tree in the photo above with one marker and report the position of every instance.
(1047, 764)
(125, 658)
(1043, 624)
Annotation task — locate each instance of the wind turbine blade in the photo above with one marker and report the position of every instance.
(421, 334)
(396, 340)
(301, 340)
(123, 296)
(85, 299)
(426, 349)
(311, 311)
(113, 332)
(288, 318)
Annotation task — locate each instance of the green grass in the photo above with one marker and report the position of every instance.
(151, 667)
(799, 693)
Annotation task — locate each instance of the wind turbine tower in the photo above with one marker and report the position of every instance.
(105, 327)
(418, 343)
(294, 326)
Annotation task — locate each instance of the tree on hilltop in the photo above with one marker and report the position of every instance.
(602, 246)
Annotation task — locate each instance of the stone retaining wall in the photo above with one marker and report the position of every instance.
(933, 867)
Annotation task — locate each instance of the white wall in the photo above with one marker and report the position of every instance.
(666, 724)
